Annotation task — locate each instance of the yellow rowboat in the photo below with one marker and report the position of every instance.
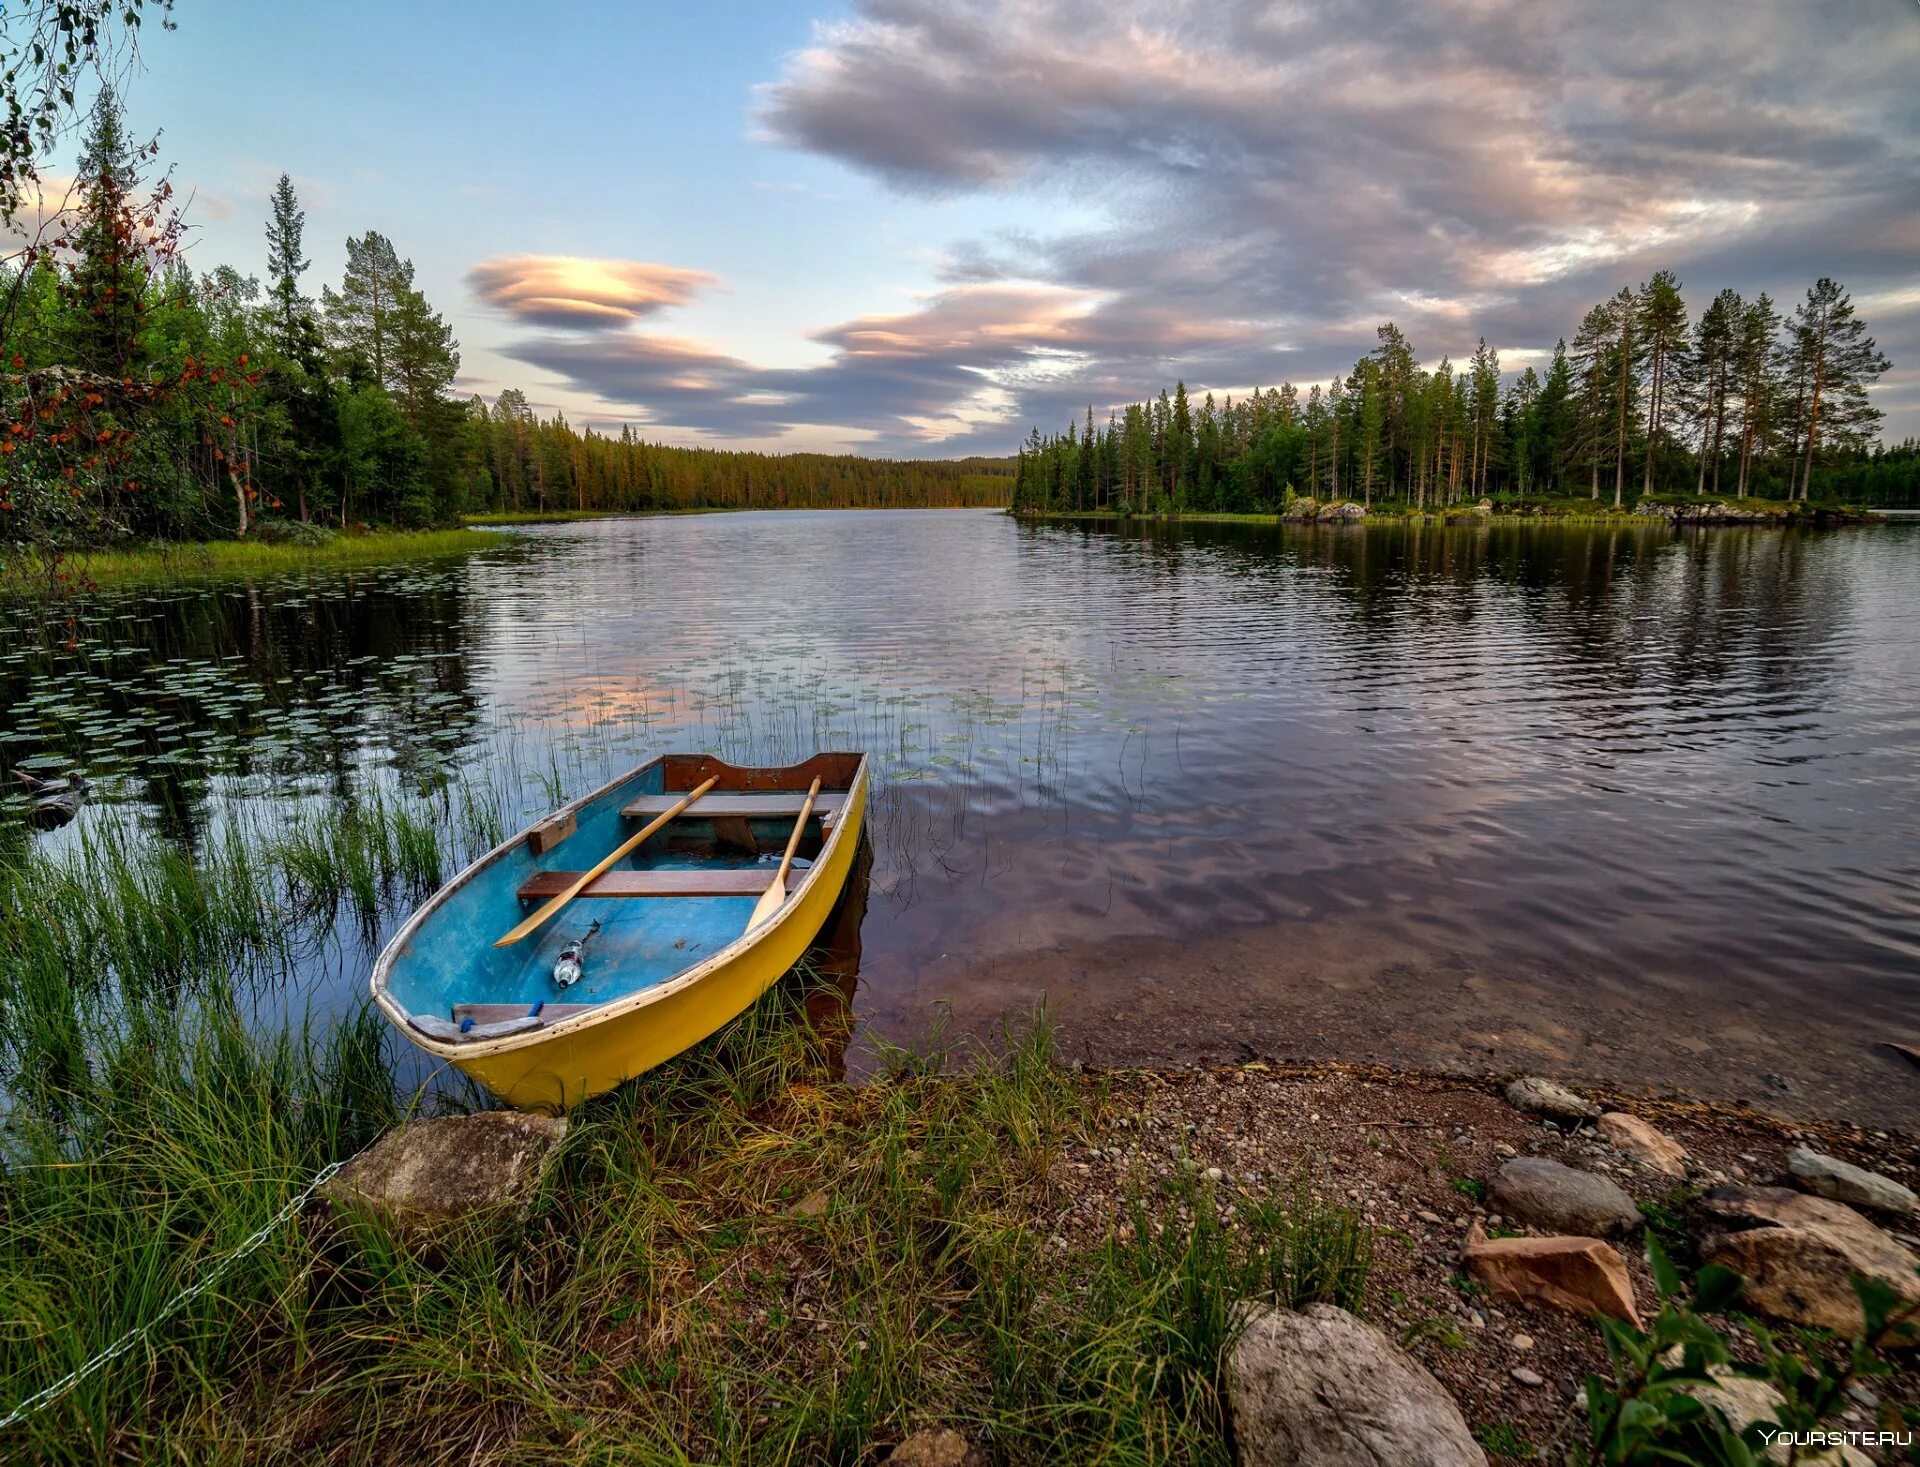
(719, 879)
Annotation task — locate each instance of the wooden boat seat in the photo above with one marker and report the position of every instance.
(748, 882)
(769, 805)
(499, 1013)
(476, 1021)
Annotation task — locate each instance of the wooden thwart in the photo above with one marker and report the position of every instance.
(695, 883)
(773, 805)
(499, 1013)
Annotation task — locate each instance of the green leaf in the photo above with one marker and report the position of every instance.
(1666, 1278)
(1715, 1289)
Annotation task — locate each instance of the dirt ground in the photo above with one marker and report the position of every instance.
(1408, 1152)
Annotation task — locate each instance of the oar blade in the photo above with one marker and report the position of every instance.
(769, 903)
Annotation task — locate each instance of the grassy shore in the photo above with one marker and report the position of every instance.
(171, 562)
(735, 1258)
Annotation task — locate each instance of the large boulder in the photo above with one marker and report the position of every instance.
(1646, 1145)
(1543, 1097)
(1580, 1275)
(1343, 509)
(428, 1176)
(1322, 1389)
(1799, 1254)
(1303, 508)
(1559, 1199)
(1840, 1181)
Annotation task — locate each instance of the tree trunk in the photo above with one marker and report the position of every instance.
(1813, 419)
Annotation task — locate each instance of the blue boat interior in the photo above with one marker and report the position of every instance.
(450, 964)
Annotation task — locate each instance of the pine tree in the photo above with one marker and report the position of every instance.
(1624, 316)
(1661, 318)
(1593, 357)
(1486, 403)
(360, 318)
(1837, 361)
(1555, 420)
(1705, 379)
(1754, 363)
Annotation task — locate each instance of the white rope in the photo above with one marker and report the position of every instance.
(186, 1296)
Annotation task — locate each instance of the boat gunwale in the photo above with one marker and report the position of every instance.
(401, 1017)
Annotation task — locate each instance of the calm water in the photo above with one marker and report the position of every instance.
(1633, 806)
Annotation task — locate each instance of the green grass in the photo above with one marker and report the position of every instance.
(665, 1302)
(220, 559)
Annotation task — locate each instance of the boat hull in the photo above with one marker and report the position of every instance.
(557, 1067)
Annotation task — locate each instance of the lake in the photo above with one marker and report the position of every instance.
(1629, 805)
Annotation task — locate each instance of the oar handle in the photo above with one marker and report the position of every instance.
(775, 894)
(587, 878)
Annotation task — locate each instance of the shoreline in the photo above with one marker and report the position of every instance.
(1676, 514)
(213, 560)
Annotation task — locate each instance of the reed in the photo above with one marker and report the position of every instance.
(735, 1257)
(186, 561)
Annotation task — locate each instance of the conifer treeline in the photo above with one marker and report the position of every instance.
(1735, 402)
(137, 398)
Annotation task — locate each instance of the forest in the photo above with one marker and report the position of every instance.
(1739, 402)
(140, 399)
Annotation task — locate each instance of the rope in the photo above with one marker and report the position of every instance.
(126, 1342)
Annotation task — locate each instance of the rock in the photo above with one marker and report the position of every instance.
(429, 1175)
(1742, 1400)
(940, 1447)
(1321, 1389)
(814, 1204)
(1798, 1254)
(1344, 509)
(1580, 1275)
(1643, 1143)
(1545, 1194)
(1544, 1098)
(1303, 508)
(1523, 1343)
(1527, 1377)
(1839, 1181)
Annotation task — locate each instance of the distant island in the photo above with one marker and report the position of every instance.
(1738, 404)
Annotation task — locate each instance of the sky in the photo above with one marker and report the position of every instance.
(919, 227)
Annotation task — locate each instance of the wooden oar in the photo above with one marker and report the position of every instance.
(774, 895)
(587, 878)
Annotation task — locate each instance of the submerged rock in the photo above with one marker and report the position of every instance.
(1543, 1097)
(1579, 1275)
(428, 1175)
(1544, 1194)
(1322, 1389)
(1798, 1254)
(1828, 1176)
(1644, 1143)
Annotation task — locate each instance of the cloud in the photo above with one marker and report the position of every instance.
(959, 366)
(1269, 179)
(583, 294)
(1460, 166)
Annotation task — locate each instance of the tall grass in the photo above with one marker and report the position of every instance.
(734, 1257)
(172, 562)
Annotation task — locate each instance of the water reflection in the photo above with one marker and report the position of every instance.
(1548, 773)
